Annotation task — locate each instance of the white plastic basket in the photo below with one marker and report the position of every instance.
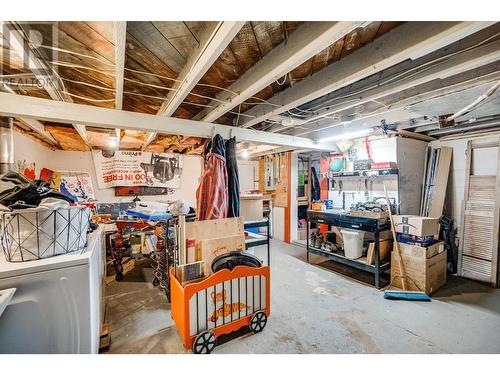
(38, 233)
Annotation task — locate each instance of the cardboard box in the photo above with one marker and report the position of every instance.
(416, 225)
(422, 273)
(421, 252)
(189, 272)
(207, 250)
(416, 240)
(302, 233)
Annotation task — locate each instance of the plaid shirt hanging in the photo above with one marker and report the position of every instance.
(212, 194)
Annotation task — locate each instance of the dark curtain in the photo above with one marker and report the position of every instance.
(315, 188)
(233, 181)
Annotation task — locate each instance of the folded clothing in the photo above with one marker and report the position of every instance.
(26, 193)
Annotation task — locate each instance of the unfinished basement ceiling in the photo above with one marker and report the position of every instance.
(156, 54)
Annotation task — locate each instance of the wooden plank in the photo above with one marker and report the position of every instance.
(304, 43)
(495, 259)
(179, 36)
(59, 112)
(262, 173)
(151, 38)
(468, 166)
(439, 190)
(104, 329)
(120, 49)
(280, 193)
(385, 251)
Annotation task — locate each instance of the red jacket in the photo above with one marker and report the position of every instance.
(212, 194)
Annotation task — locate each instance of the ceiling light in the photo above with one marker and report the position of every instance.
(351, 135)
(287, 122)
(244, 154)
(113, 142)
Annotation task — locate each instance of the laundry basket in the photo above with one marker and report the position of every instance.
(37, 233)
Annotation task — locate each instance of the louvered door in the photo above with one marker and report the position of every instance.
(478, 251)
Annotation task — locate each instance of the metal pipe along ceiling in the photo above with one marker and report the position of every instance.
(6, 144)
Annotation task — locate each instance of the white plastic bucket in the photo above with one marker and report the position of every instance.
(353, 243)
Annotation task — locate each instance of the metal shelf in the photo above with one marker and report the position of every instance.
(365, 173)
(254, 240)
(359, 263)
(338, 219)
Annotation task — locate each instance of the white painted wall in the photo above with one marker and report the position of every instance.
(294, 175)
(248, 171)
(26, 149)
(484, 162)
(279, 223)
(77, 161)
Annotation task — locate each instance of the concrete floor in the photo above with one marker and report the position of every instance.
(317, 310)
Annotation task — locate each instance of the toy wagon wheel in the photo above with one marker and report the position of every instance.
(204, 343)
(258, 321)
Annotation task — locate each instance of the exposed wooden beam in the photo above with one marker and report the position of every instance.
(459, 64)
(60, 112)
(34, 125)
(41, 70)
(305, 42)
(212, 42)
(410, 40)
(120, 46)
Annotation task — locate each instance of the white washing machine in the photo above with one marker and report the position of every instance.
(57, 304)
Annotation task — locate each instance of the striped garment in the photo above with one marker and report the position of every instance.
(212, 194)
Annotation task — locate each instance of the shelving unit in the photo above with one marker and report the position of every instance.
(338, 219)
(255, 239)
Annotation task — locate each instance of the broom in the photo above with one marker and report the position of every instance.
(401, 294)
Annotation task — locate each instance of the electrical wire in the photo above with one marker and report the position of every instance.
(87, 98)
(66, 64)
(420, 68)
(284, 80)
(101, 60)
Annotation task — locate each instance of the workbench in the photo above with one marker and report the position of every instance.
(338, 218)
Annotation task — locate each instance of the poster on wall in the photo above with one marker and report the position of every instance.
(137, 168)
(27, 169)
(75, 185)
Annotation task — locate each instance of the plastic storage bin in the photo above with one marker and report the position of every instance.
(353, 243)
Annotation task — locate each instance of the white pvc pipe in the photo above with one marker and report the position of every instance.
(468, 108)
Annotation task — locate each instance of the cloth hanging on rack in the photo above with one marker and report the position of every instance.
(233, 180)
(315, 188)
(212, 193)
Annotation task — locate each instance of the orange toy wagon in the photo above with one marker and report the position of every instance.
(222, 303)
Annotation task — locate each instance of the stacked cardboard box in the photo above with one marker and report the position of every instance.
(424, 266)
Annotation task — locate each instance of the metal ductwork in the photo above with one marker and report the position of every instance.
(6, 144)
(466, 127)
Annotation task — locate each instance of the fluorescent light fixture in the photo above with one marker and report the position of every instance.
(352, 135)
